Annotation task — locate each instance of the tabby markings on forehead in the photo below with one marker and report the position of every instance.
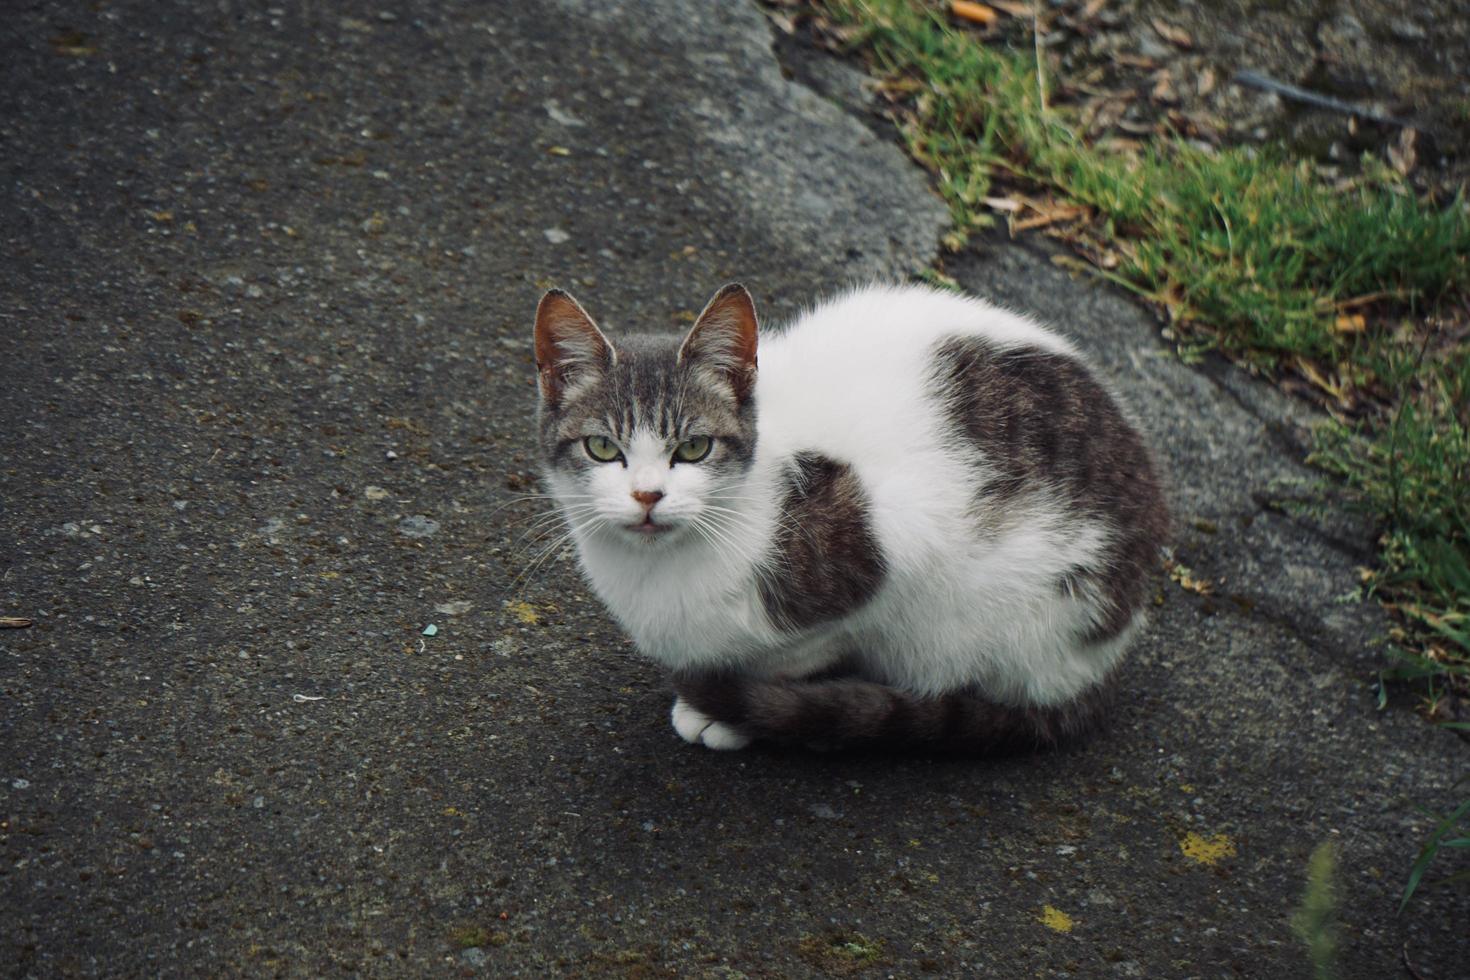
(667, 417)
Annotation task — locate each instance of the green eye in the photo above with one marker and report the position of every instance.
(602, 449)
(693, 450)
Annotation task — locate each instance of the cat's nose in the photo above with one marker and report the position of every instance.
(648, 497)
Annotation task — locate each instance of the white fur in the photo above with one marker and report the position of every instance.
(697, 728)
(963, 602)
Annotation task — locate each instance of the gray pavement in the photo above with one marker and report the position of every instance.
(266, 391)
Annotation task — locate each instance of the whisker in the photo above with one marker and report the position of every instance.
(548, 523)
(559, 513)
(545, 557)
(720, 528)
(525, 498)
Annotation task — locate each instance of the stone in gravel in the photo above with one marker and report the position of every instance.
(418, 526)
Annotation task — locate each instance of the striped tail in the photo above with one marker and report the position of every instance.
(849, 712)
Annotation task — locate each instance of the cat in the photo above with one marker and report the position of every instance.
(908, 519)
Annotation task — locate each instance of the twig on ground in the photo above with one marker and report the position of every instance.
(1409, 965)
(1286, 90)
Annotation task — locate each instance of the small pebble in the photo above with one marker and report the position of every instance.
(418, 526)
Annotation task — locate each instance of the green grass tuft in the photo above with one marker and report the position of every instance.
(466, 937)
(1452, 831)
(842, 953)
(1315, 921)
(1413, 471)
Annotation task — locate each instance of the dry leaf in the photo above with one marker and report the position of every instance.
(1205, 81)
(1333, 387)
(1204, 126)
(1049, 217)
(1310, 372)
(1351, 323)
(1134, 61)
(784, 24)
(898, 86)
(73, 44)
(1055, 919)
(14, 622)
(1163, 90)
(1002, 204)
(1174, 35)
(1108, 115)
(1364, 300)
(1186, 579)
(975, 13)
(1073, 265)
(1403, 153)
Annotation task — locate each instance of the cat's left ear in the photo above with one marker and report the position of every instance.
(723, 340)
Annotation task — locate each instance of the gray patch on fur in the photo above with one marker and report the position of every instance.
(827, 560)
(1044, 424)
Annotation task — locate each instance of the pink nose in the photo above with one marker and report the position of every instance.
(648, 497)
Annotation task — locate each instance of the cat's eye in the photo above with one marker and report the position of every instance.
(693, 450)
(602, 449)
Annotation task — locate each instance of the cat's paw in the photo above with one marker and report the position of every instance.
(697, 728)
(723, 738)
(689, 723)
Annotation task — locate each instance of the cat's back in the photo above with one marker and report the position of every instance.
(911, 312)
(960, 419)
(855, 376)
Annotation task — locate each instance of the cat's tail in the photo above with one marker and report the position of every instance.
(850, 712)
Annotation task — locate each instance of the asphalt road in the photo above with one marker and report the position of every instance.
(266, 394)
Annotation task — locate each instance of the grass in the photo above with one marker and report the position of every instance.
(1452, 831)
(1315, 921)
(841, 953)
(1351, 287)
(1414, 468)
(468, 936)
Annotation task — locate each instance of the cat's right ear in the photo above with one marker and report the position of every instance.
(569, 348)
(724, 340)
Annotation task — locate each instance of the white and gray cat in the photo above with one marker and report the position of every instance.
(920, 522)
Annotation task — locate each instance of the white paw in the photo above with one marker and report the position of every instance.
(697, 728)
(723, 738)
(690, 724)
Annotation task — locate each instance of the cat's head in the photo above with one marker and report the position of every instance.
(646, 441)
